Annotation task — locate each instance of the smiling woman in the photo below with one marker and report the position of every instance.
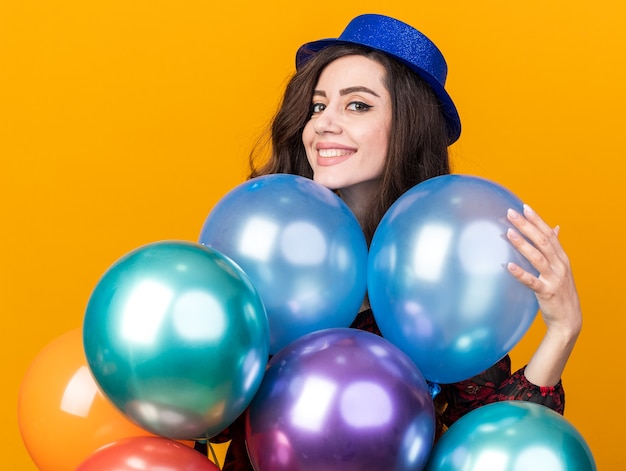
(368, 116)
(395, 137)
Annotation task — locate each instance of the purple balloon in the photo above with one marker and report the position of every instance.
(341, 399)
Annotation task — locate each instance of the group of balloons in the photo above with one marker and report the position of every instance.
(177, 336)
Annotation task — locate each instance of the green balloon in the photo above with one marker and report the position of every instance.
(177, 338)
(511, 436)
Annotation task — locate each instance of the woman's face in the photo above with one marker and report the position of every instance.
(346, 138)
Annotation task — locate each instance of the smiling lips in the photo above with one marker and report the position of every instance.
(333, 156)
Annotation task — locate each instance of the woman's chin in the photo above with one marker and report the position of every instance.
(328, 181)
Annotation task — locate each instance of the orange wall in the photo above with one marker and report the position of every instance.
(122, 123)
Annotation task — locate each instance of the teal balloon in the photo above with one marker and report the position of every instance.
(511, 436)
(177, 338)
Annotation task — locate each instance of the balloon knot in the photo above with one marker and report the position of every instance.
(433, 389)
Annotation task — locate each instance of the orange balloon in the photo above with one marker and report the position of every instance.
(63, 416)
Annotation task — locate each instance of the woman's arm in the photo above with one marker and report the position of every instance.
(555, 290)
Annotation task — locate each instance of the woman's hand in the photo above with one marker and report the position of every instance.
(555, 290)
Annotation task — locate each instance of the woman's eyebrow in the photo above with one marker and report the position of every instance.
(348, 90)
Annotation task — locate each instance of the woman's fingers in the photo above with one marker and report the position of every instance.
(554, 285)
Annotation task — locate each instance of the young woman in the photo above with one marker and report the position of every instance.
(367, 116)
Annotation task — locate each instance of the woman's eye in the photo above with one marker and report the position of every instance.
(317, 108)
(359, 106)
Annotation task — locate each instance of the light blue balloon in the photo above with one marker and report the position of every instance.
(302, 248)
(437, 277)
(177, 338)
(511, 436)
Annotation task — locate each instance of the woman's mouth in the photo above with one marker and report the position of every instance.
(328, 153)
(333, 156)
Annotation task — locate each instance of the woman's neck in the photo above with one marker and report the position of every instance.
(358, 196)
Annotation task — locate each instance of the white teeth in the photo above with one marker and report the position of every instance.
(332, 152)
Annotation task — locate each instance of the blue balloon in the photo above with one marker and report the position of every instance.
(302, 248)
(341, 400)
(177, 338)
(511, 436)
(437, 277)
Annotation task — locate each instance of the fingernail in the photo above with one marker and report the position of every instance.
(512, 234)
(512, 214)
(528, 209)
(556, 230)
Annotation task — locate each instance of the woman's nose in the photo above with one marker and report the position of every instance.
(328, 121)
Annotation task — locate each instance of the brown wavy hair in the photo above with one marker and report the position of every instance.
(418, 143)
